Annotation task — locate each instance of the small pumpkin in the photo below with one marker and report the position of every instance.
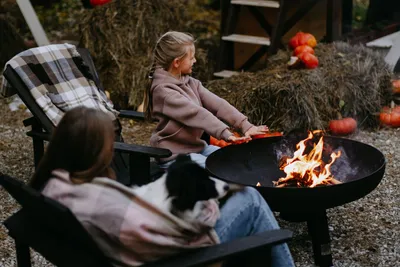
(343, 126)
(396, 87)
(303, 49)
(302, 38)
(309, 60)
(390, 116)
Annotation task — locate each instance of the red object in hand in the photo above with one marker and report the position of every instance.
(222, 143)
(99, 2)
(269, 134)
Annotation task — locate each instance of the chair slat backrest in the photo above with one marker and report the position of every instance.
(23, 92)
(51, 228)
(87, 58)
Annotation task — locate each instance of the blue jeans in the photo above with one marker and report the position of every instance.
(244, 214)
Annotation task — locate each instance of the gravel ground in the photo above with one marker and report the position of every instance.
(365, 232)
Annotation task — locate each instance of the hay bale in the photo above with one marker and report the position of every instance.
(121, 36)
(307, 99)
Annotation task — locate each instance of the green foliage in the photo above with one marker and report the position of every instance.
(360, 8)
(61, 19)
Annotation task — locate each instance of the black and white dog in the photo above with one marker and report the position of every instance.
(185, 190)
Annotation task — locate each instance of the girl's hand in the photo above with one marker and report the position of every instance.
(235, 139)
(255, 130)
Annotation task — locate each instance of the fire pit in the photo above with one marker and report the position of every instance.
(357, 171)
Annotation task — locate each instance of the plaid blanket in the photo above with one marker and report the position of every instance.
(128, 229)
(58, 80)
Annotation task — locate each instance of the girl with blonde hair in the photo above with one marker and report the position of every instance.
(185, 110)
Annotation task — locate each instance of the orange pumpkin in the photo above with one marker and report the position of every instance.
(343, 126)
(390, 116)
(303, 49)
(396, 86)
(309, 60)
(302, 38)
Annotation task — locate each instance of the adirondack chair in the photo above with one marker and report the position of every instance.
(52, 230)
(132, 163)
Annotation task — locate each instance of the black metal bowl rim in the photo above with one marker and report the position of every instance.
(320, 187)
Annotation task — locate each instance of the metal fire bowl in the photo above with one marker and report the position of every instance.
(360, 169)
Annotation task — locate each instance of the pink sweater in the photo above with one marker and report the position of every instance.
(126, 227)
(185, 109)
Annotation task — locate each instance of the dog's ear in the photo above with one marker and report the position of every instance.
(183, 158)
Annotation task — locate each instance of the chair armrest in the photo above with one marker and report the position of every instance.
(29, 121)
(131, 114)
(41, 135)
(212, 254)
(121, 147)
(153, 152)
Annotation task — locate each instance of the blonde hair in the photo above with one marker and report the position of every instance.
(169, 46)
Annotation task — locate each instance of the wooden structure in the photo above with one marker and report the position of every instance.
(250, 29)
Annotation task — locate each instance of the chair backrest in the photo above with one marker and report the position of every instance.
(87, 58)
(23, 92)
(51, 229)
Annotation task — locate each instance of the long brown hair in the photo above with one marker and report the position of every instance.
(169, 46)
(81, 144)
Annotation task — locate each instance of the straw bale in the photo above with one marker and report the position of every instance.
(121, 36)
(288, 99)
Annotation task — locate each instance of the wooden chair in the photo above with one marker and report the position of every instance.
(132, 163)
(53, 231)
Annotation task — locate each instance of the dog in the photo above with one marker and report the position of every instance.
(187, 191)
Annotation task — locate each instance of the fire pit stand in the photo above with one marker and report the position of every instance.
(360, 169)
(318, 229)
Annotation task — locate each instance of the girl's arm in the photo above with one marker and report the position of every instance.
(223, 110)
(176, 106)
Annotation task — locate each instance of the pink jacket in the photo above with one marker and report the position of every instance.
(127, 229)
(185, 109)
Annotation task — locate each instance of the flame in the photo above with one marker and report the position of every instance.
(308, 169)
(258, 184)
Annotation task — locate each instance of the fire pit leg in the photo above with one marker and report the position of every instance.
(318, 229)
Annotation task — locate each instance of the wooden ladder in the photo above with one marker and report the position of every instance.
(230, 13)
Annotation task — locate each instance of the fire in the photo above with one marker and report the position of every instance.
(258, 184)
(307, 170)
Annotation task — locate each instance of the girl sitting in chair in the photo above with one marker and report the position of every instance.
(75, 171)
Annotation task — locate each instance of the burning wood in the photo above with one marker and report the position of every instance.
(307, 170)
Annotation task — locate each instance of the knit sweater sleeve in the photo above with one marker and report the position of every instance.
(176, 106)
(223, 110)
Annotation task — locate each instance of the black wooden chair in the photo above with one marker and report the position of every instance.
(132, 163)
(53, 231)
